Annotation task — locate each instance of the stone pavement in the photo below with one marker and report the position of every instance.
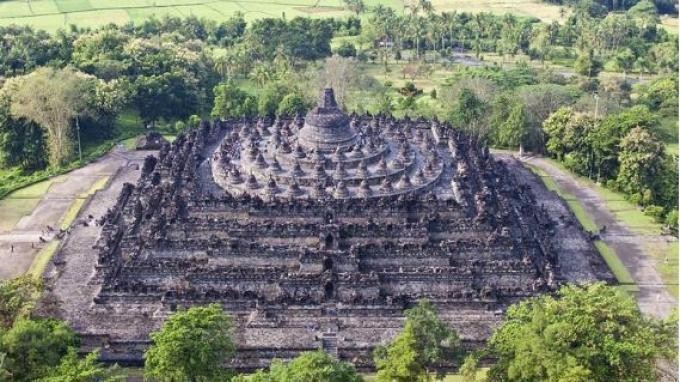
(26, 233)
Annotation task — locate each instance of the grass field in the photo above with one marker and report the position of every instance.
(21, 202)
(42, 259)
(54, 14)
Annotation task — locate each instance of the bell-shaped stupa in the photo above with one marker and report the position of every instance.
(326, 126)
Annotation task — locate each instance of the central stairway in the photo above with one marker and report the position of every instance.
(329, 343)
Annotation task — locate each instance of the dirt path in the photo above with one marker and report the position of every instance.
(20, 245)
(653, 297)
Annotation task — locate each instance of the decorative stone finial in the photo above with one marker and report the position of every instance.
(297, 170)
(341, 190)
(252, 182)
(386, 185)
(327, 99)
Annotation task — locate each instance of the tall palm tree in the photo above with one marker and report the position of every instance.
(426, 6)
(281, 61)
(260, 74)
(223, 66)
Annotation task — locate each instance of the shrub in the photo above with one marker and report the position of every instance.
(647, 197)
(180, 126)
(671, 220)
(292, 104)
(655, 212)
(612, 185)
(635, 198)
(346, 49)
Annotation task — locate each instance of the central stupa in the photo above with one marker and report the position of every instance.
(326, 127)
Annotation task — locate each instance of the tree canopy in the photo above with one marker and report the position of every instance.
(32, 347)
(424, 342)
(315, 366)
(64, 94)
(584, 333)
(192, 345)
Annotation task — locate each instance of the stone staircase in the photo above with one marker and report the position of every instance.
(329, 343)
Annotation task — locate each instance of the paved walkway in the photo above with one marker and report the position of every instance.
(653, 297)
(25, 236)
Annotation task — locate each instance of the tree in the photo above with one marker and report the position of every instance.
(261, 74)
(625, 59)
(64, 94)
(539, 102)
(15, 298)
(555, 128)
(469, 114)
(579, 136)
(665, 56)
(341, 74)
(315, 366)
(225, 65)
(587, 64)
(584, 333)
(641, 162)
(661, 94)
(73, 369)
(232, 102)
(102, 53)
(607, 137)
(169, 95)
(424, 343)
(346, 49)
(512, 130)
(270, 98)
(383, 103)
(32, 347)
(356, 6)
(22, 141)
(192, 345)
(292, 104)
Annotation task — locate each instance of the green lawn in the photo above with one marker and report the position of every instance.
(666, 259)
(42, 259)
(618, 269)
(21, 202)
(12, 210)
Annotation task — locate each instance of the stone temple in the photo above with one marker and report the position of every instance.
(316, 233)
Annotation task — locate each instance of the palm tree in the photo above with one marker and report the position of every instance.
(446, 26)
(431, 30)
(426, 6)
(223, 65)
(260, 74)
(281, 62)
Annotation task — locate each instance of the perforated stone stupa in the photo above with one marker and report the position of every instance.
(314, 233)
